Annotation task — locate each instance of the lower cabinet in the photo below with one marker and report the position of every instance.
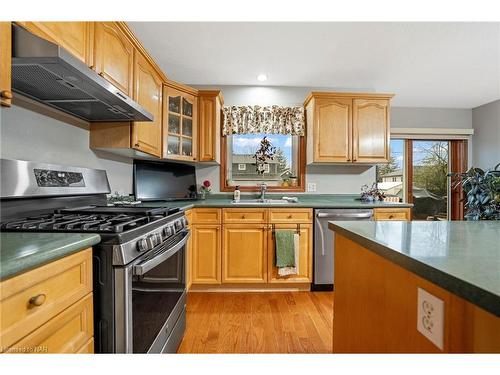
(304, 274)
(244, 253)
(206, 254)
(236, 246)
(49, 309)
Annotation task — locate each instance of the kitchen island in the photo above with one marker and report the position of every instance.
(416, 287)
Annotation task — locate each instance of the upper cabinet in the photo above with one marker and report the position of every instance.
(148, 92)
(209, 125)
(75, 37)
(5, 64)
(347, 127)
(114, 56)
(180, 125)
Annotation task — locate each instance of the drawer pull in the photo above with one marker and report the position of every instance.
(242, 216)
(37, 300)
(391, 216)
(290, 216)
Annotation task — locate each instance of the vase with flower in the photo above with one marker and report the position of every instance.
(205, 189)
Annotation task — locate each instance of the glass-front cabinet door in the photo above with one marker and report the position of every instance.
(180, 125)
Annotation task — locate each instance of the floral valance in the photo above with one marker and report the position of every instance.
(267, 120)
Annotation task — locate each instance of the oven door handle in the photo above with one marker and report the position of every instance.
(142, 268)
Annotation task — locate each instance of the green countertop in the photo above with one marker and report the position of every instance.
(462, 257)
(305, 201)
(20, 252)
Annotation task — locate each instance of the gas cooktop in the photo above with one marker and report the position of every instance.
(95, 219)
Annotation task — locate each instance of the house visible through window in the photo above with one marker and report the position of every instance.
(241, 164)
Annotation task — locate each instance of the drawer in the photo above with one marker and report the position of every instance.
(33, 298)
(391, 214)
(290, 215)
(206, 216)
(68, 332)
(244, 215)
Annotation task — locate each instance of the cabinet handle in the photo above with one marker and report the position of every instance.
(136, 145)
(243, 216)
(101, 74)
(37, 300)
(354, 159)
(348, 159)
(391, 216)
(6, 94)
(290, 216)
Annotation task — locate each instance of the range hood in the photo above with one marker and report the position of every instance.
(45, 72)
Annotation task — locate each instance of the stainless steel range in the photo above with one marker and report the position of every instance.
(139, 266)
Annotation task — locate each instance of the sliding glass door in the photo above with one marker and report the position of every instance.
(417, 173)
(430, 183)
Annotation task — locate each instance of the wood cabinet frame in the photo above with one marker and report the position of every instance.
(348, 128)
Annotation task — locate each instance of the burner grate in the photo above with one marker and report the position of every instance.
(99, 223)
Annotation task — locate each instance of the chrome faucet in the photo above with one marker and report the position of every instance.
(263, 188)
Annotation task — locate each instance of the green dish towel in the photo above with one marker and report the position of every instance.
(285, 251)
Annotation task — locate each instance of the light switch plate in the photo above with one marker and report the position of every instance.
(430, 317)
(311, 187)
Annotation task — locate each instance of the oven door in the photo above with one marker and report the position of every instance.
(158, 297)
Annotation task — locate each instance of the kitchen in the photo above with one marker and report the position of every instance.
(143, 214)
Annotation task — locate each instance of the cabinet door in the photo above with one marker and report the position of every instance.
(5, 64)
(209, 106)
(180, 124)
(75, 37)
(114, 56)
(370, 130)
(206, 254)
(332, 130)
(148, 91)
(244, 256)
(305, 258)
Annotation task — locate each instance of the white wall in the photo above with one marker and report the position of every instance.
(486, 124)
(333, 179)
(29, 135)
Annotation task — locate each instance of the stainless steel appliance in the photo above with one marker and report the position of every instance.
(49, 74)
(324, 244)
(139, 266)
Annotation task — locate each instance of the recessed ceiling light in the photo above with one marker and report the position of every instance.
(262, 77)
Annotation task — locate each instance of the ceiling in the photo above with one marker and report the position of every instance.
(449, 65)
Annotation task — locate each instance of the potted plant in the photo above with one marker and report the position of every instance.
(481, 192)
(371, 194)
(205, 189)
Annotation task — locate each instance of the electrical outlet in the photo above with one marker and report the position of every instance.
(430, 317)
(311, 187)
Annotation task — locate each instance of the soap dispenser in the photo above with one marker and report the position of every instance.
(237, 193)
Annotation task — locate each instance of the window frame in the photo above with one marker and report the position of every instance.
(301, 175)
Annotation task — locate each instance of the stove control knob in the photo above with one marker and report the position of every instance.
(158, 238)
(178, 225)
(150, 242)
(168, 231)
(142, 244)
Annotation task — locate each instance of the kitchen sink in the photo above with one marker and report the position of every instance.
(261, 201)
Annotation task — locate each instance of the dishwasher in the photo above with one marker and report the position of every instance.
(323, 242)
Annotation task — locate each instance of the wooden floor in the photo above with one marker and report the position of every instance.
(266, 322)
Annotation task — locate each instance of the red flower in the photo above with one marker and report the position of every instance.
(206, 183)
